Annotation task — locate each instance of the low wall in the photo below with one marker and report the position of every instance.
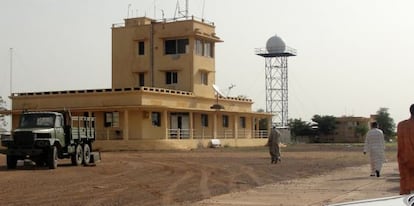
(122, 145)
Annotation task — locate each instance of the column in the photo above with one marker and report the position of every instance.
(253, 125)
(165, 123)
(235, 127)
(214, 125)
(191, 125)
(126, 126)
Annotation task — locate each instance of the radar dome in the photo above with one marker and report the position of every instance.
(275, 45)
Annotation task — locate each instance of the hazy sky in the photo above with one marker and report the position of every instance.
(353, 56)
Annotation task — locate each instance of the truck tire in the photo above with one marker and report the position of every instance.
(52, 158)
(77, 158)
(86, 154)
(11, 162)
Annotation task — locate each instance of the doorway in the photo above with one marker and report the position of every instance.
(179, 126)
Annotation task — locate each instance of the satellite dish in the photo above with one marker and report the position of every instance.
(217, 90)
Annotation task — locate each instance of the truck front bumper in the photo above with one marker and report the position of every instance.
(24, 152)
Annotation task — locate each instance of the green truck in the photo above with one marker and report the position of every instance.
(45, 137)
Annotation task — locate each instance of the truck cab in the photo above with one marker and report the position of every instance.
(46, 128)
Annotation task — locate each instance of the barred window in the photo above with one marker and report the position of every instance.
(204, 120)
(243, 122)
(156, 119)
(204, 77)
(225, 121)
(171, 78)
(204, 48)
(141, 48)
(111, 119)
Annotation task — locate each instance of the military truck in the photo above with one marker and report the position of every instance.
(43, 137)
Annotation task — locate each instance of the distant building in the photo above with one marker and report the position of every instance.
(162, 92)
(348, 127)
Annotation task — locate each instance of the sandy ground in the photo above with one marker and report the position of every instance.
(172, 177)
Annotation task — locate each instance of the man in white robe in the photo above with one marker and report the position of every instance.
(374, 145)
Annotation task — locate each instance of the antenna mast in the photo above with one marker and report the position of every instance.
(129, 7)
(186, 8)
(180, 12)
(155, 10)
(11, 71)
(202, 13)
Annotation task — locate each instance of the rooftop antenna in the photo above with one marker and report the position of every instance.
(177, 9)
(180, 12)
(11, 71)
(230, 87)
(162, 12)
(202, 11)
(155, 10)
(186, 8)
(129, 7)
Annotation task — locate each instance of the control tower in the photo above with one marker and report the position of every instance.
(276, 56)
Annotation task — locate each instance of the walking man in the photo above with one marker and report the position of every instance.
(374, 145)
(405, 135)
(273, 144)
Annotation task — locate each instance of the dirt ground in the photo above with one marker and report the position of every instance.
(170, 177)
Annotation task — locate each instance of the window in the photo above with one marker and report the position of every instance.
(156, 119)
(204, 48)
(37, 120)
(59, 121)
(141, 48)
(141, 79)
(204, 77)
(171, 78)
(204, 120)
(225, 121)
(176, 46)
(199, 47)
(207, 49)
(243, 122)
(111, 119)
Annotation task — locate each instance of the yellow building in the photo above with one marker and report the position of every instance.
(162, 93)
(347, 129)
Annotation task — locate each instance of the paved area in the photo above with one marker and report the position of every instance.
(345, 185)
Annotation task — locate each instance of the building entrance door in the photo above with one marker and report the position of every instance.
(179, 126)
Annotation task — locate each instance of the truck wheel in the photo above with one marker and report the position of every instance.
(77, 158)
(52, 158)
(11, 162)
(86, 154)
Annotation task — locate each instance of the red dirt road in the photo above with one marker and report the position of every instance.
(169, 177)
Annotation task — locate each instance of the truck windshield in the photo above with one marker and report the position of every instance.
(37, 120)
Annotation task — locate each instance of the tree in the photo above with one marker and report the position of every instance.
(3, 122)
(361, 130)
(300, 128)
(326, 124)
(386, 123)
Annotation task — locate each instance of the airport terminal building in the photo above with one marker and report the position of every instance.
(162, 95)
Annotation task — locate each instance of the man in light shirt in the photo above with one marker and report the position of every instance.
(374, 145)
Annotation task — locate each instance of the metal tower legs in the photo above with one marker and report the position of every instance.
(276, 75)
